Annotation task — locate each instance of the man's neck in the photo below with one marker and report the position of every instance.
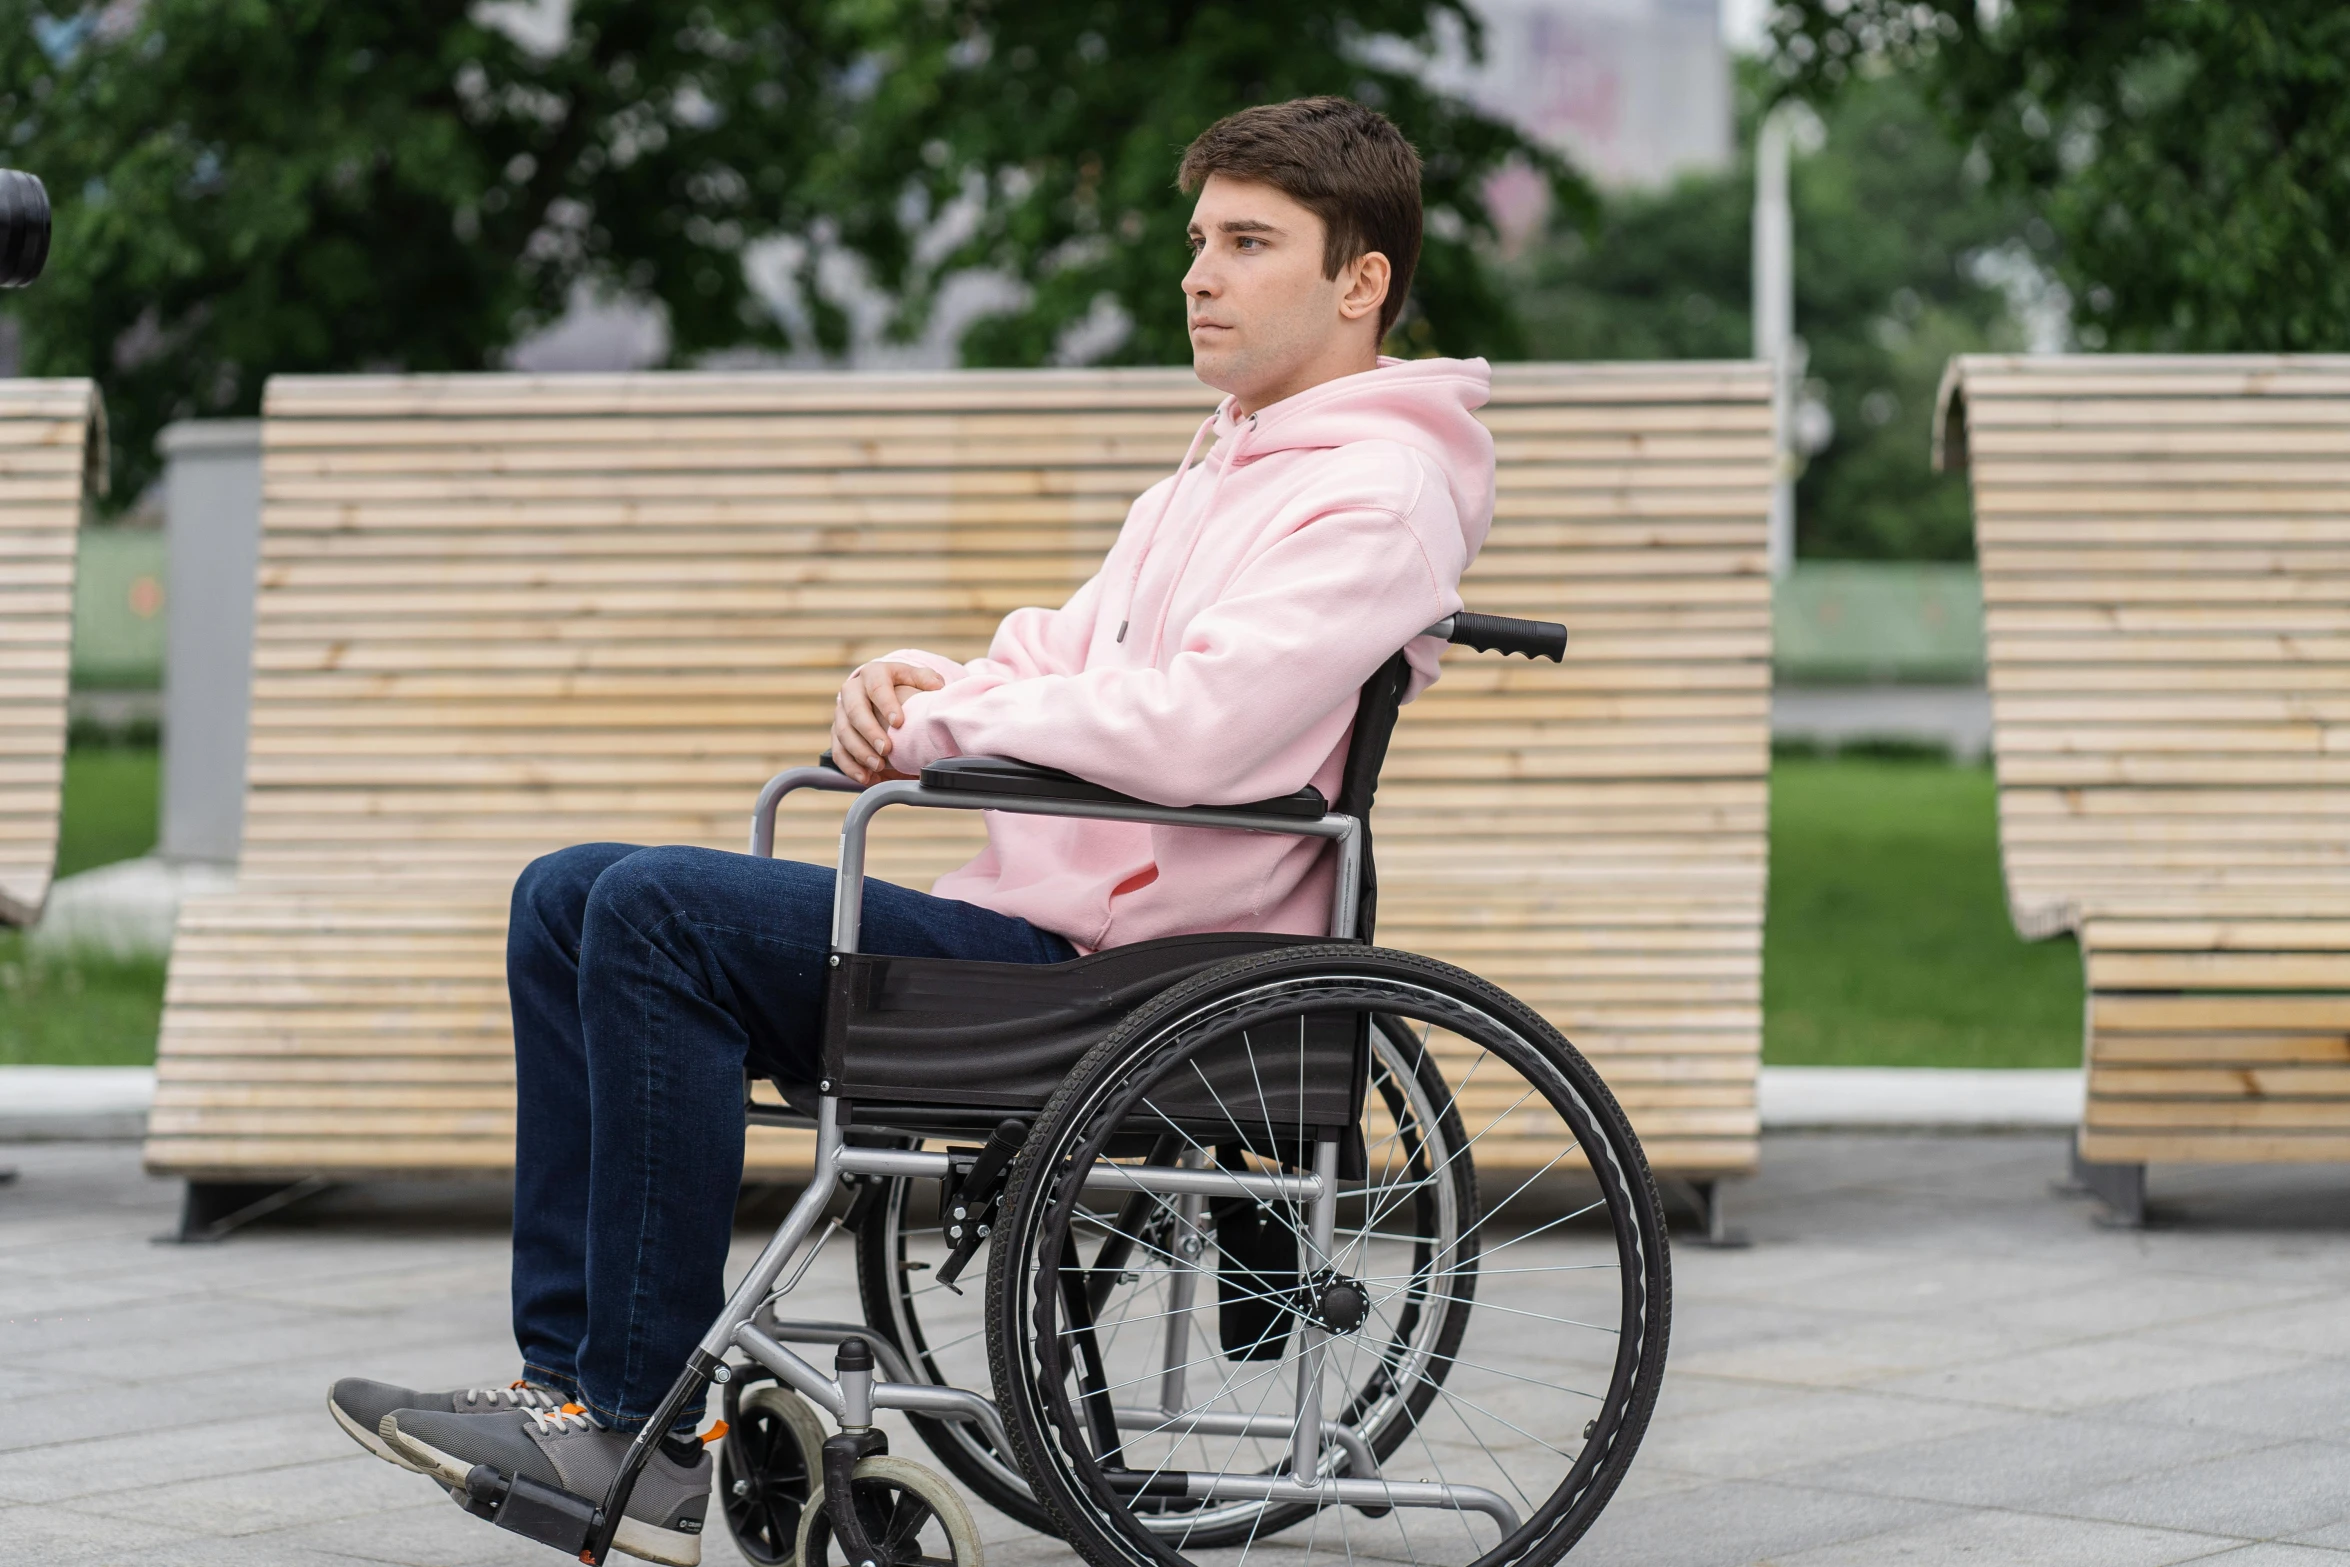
(1332, 367)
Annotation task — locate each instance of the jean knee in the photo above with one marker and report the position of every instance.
(552, 890)
(648, 884)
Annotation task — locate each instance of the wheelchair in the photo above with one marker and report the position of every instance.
(1245, 1287)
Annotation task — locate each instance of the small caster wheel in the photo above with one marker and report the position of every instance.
(913, 1515)
(771, 1461)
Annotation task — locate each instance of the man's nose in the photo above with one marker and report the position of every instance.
(1200, 281)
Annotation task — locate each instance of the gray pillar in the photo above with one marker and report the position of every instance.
(212, 525)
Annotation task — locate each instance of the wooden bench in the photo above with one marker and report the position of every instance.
(2165, 546)
(52, 459)
(502, 614)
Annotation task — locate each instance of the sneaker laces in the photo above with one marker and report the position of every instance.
(566, 1420)
(515, 1395)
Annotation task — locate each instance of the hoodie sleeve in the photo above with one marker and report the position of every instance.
(1030, 642)
(1273, 663)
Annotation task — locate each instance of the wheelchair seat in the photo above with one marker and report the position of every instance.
(938, 1045)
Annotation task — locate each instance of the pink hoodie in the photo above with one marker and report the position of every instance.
(1215, 657)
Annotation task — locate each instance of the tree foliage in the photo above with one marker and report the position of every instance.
(2193, 156)
(1057, 127)
(252, 187)
(1891, 241)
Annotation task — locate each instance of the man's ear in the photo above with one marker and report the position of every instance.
(1367, 277)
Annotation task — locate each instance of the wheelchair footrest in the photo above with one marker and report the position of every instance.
(529, 1508)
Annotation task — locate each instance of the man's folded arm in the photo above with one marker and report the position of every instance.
(1272, 664)
(1029, 642)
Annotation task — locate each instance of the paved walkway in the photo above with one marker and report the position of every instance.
(1926, 1357)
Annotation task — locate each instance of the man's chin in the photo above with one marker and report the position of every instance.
(1219, 368)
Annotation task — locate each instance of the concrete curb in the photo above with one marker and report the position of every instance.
(109, 1103)
(67, 1104)
(1939, 1099)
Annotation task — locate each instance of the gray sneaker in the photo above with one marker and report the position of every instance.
(359, 1407)
(567, 1449)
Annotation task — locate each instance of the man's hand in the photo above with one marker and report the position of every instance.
(871, 704)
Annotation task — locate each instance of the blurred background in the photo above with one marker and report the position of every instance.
(246, 188)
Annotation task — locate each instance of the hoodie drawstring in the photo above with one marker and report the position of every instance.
(1142, 552)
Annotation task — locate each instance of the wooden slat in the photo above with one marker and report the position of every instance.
(2166, 571)
(503, 613)
(52, 445)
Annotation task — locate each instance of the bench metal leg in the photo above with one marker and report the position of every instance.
(2120, 1187)
(212, 1210)
(1709, 1196)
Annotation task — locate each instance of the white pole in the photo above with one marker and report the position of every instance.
(1774, 321)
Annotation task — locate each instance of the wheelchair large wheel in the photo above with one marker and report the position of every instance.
(1480, 1392)
(943, 1333)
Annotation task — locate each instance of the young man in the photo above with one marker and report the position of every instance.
(1213, 659)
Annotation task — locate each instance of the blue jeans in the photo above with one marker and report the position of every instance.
(644, 982)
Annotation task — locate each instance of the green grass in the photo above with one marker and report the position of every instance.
(88, 1011)
(1887, 945)
(1887, 941)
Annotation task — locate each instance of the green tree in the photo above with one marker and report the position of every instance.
(1891, 233)
(247, 187)
(2192, 156)
(1058, 126)
(252, 187)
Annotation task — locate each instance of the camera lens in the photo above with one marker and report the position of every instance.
(24, 228)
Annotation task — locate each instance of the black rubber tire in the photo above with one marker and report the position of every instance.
(1031, 1388)
(774, 1444)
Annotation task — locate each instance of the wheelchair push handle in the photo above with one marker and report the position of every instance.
(1502, 634)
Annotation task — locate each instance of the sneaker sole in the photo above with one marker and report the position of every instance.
(370, 1440)
(635, 1537)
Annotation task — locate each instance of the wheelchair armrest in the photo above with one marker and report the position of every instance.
(1001, 775)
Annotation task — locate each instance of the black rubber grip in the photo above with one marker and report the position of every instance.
(1501, 634)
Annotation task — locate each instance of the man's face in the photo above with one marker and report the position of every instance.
(1262, 315)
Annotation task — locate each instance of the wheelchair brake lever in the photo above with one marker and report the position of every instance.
(972, 1201)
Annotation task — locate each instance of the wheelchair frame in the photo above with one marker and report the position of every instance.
(851, 1395)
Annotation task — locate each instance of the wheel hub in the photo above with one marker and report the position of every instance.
(1336, 1303)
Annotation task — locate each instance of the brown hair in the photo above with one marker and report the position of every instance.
(1346, 164)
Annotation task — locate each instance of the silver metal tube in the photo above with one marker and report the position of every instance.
(848, 893)
(791, 1331)
(1202, 1183)
(783, 783)
(1305, 1445)
(1189, 1244)
(820, 1389)
(945, 1403)
(856, 1398)
(1207, 1487)
(1346, 893)
(1442, 628)
(751, 1293)
(1159, 1422)
(1160, 1179)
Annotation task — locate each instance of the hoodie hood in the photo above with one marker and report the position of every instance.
(1428, 405)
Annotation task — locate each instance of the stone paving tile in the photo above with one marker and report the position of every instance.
(2169, 1387)
(2083, 1376)
(2014, 1461)
(2318, 1325)
(1737, 1522)
(2263, 1493)
(2310, 1400)
(1785, 1427)
(1995, 1539)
